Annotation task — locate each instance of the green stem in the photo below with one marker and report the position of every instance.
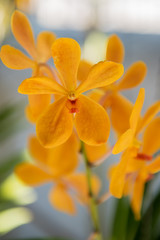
(92, 200)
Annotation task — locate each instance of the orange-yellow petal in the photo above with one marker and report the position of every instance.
(137, 197)
(37, 104)
(96, 95)
(83, 70)
(37, 151)
(92, 122)
(149, 115)
(123, 142)
(95, 153)
(23, 32)
(120, 112)
(62, 200)
(154, 166)
(31, 174)
(117, 181)
(15, 59)
(66, 55)
(55, 125)
(41, 85)
(129, 184)
(44, 43)
(135, 115)
(151, 137)
(115, 49)
(64, 158)
(100, 75)
(134, 75)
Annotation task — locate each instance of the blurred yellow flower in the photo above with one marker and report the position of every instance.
(142, 165)
(128, 141)
(57, 165)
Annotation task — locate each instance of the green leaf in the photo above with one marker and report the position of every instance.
(132, 226)
(120, 219)
(149, 224)
(11, 119)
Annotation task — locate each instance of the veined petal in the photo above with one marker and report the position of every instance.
(23, 32)
(92, 122)
(154, 166)
(37, 104)
(15, 59)
(149, 115)
(55, 125)
(41, 85)
(62, 200)
(64, 158)
(117, 181)
(83, 70)
(135, 115)
(95, 153)
(31, 174)
(123, 142)
(151, 137)
(121, 109)
(115, 49)
(66, 55)
(44, 43)
(100, 75)
(134, 75)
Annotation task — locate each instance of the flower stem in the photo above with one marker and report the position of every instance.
(92, 200)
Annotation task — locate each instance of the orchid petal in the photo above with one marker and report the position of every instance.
(100, 75)
(66, 55)
(23, 32)
(55, 125)
(92, 122)
(15, 59)
(115, 49)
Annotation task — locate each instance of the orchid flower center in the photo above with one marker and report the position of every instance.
(72, 96)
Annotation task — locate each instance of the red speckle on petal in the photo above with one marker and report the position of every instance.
(143, 156)
(73, 105)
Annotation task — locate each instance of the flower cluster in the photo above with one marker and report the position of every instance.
(65, 118)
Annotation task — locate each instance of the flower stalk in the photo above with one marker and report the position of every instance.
(92, 200)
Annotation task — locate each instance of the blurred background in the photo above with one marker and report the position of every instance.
(26, 212)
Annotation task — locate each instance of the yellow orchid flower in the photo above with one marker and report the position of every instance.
(142, 170)
(129, 142)
(39, 51)
(57, 165)
(55, 125)
(140, 165)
